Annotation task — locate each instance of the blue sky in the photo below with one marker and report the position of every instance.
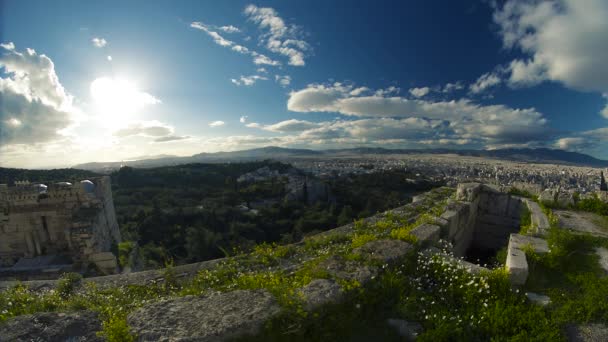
(99, 81)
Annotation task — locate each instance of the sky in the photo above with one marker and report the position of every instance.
(84, 81)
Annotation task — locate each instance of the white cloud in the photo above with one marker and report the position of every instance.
(566, 40)
(109, 58)
(230, 29)
(99, 42)
(243, 119)
(262, 70)
(420, 92)
(147, 129)
(253, 125)
(260, 59)
(604, 111)
(492, 123)
(280, 38)
(8, 46)
(216, 123)
(34, 105)
(284, 80)
(484, 82)
(248, 80)
(450, 87)
(291, 125)
(218, 39)
(573, 143)
(171, 138)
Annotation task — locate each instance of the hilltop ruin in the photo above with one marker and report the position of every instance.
(48, 230)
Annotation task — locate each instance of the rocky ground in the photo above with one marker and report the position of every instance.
(583, 222)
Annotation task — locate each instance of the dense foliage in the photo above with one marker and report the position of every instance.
(200, 211)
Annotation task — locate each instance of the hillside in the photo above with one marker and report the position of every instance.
(540, 155)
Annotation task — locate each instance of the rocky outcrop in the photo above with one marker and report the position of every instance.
(214, 317)
(52, 326)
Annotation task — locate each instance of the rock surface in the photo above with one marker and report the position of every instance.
(538, 299)
(214, 317)
(538, 217)
(426, 233)
(338, 267)
(408, 330)
(52, 326)
(587, 333)
(384, 250)
(319, 292)
(602, 253)
(519, 241)
(582, 222)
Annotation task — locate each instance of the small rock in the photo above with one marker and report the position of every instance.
(405, 329)
(214, 317)
(319, 292)
(52, 326)
(538, 299)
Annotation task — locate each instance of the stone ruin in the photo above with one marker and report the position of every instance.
(63, 227)
(480, 219)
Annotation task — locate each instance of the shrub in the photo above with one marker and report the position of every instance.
(68, 283)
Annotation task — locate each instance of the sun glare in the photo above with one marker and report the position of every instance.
(117, 100)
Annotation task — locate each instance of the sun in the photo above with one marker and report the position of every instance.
(117, 100)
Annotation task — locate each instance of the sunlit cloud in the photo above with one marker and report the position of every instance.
(99, 42)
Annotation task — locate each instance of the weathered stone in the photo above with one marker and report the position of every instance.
(319, 292)
(426, 233)
(587, 333)
(347, 269)
(105, 261)
(468, 191)
(517, 265)
(52, 326)
(74, 221)
(408, 330)
(538, 299)
(215, 317)
(582, 222)
(450, 229)
(548, 196)
(384, 250)
(521, 242)
(602, 253)
(537, 217)
(565, 199)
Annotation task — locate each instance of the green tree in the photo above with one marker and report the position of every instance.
(346, 215)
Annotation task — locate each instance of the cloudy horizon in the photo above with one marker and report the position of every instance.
(185, 78)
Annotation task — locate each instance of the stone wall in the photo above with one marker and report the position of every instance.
(76, 221)
(481, 217)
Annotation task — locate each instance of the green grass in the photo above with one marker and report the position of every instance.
(255, 270)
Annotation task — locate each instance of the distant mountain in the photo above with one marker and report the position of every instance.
(538, 155)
